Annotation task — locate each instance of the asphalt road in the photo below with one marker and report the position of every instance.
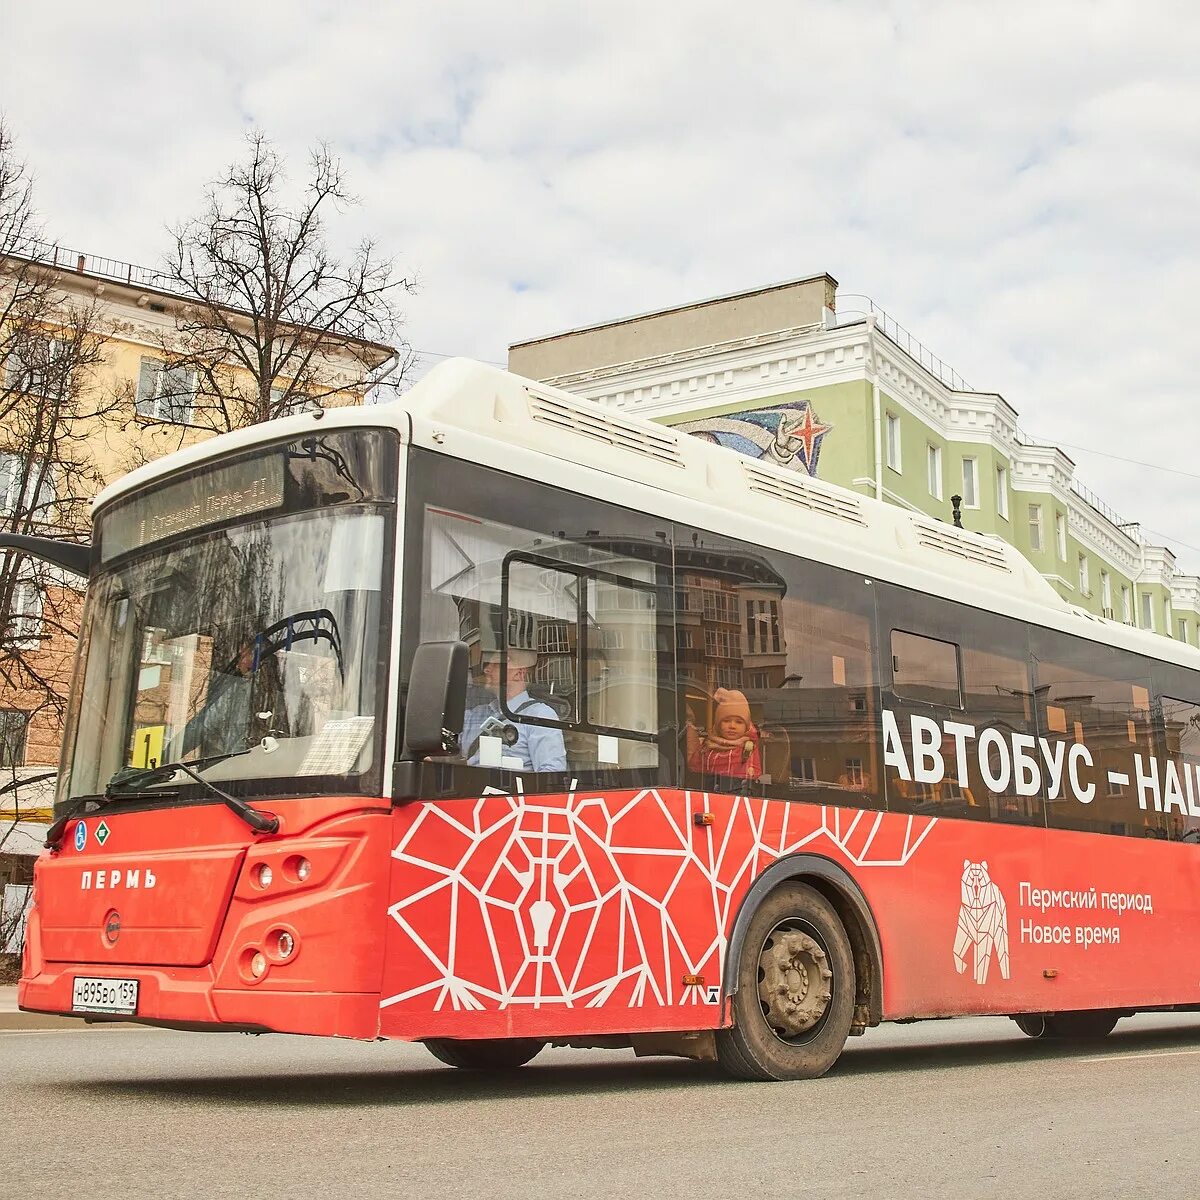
(942, 1109)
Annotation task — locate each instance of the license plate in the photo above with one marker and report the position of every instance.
(104, 995)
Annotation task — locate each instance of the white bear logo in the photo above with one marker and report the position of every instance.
(982, 922)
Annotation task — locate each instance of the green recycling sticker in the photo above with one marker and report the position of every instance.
(102, 832)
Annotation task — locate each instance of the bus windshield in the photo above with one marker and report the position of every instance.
(261, 641)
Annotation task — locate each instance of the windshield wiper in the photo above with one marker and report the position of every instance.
(142, 776)
(129, 780)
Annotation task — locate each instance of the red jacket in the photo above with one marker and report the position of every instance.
(717, 760)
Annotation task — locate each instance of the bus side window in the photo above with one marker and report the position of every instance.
(998, 696)
(926, 669)
(1181, 736)
(1099, 698)
(966, 671)
(790, 644)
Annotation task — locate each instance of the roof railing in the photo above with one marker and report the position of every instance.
(895, 332)
(67, 259)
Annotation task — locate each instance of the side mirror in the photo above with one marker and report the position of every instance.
(437, 694)
(71, 556)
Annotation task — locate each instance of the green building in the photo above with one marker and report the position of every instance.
(832, 386)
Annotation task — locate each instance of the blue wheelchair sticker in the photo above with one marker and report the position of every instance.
(80, 835)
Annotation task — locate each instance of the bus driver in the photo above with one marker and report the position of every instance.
(538, 748)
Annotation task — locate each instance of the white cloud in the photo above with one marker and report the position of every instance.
(1016, 184)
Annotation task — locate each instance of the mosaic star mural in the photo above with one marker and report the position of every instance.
(787, 434)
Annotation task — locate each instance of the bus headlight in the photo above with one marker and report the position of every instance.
(285, 945)
(258, 964)
(263, 875)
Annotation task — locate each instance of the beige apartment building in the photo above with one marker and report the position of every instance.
(148, 411)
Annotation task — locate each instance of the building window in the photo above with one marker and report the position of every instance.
(1126, 606)
(10, 481)
(1035, 527)
(1085, 579)
(806, 770)
(718, 605)
(719, 643)
(34, 370)
(24, 626)
(1183, 637)
(166, 394)
(1147, 611)
(1167, 615)
(970, 492)
(13, 725)
(762, 626)
(935, 472)
(854, 776)
(1106, 593)
(17, 490)
(1002, 492)
(893, 442)
(1060, 534)
(553, 638)
(556, 673)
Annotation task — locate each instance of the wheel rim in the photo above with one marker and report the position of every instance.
(795, 982)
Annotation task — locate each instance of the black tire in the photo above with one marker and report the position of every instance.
(499, 1054)
(1083, 1025)
(758, 1046)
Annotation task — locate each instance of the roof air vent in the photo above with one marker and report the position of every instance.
(603, 426)
(949, 541)
(799, 489)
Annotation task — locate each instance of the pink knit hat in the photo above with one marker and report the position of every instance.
(731, 703)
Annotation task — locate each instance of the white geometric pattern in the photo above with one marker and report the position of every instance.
(586, 900)
(982, 923)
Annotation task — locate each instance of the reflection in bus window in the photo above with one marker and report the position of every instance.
(788, 644)
(1098, 697)
(571, 624)
(925, 669)
(1181, 727)
(994, 703)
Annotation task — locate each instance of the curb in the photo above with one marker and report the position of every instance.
(11, 1022)
(23, 1022)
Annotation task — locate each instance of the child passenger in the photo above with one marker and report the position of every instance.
(732, 745)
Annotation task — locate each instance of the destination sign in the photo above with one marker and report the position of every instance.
(210, 497)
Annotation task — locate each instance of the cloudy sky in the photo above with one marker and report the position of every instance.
(1018, 184)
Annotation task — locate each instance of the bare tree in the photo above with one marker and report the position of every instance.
(274, 321)
(51, 401)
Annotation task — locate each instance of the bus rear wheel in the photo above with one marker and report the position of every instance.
(1068, 1026)
(499, 1054)
(795, 990)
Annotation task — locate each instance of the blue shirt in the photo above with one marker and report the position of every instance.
(538, 748)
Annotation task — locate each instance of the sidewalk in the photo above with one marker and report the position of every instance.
(12, 1019)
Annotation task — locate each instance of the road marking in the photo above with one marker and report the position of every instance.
(1127, 1057)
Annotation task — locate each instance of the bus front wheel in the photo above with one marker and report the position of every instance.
(1068, 1026)
(499, 1054)
(795, 990)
